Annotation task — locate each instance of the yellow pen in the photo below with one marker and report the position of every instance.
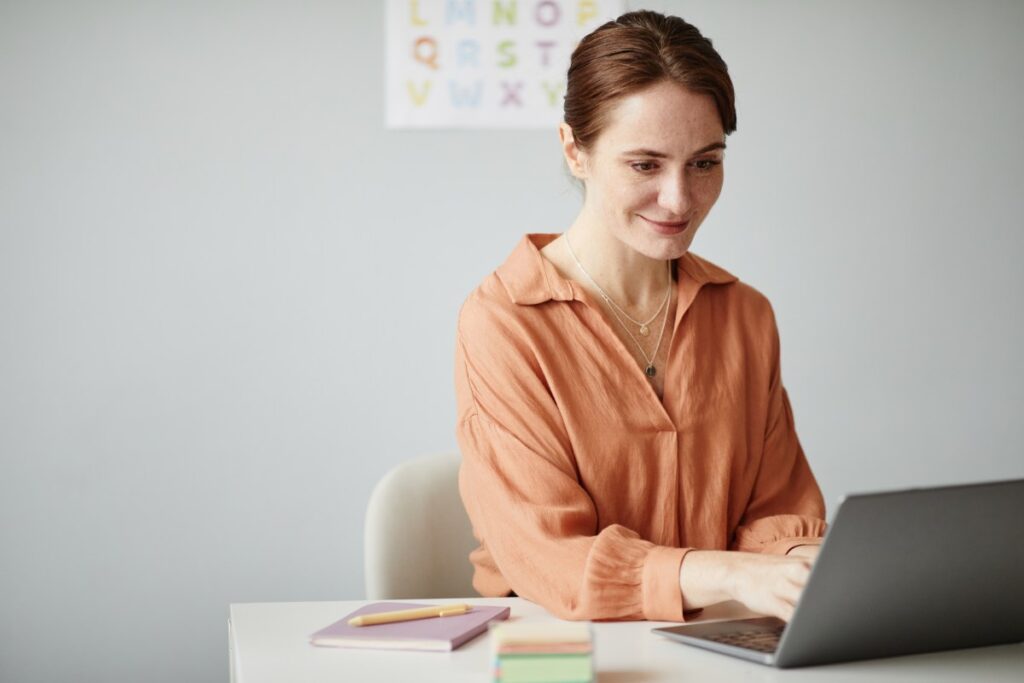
(409, 614)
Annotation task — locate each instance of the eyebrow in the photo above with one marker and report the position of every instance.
(662, 155)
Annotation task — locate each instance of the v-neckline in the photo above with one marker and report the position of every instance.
(687, 286)
(581, 294)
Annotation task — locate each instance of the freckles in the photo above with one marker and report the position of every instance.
(711, 187)
(644, 197)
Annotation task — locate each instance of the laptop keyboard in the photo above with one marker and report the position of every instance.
(760, 640)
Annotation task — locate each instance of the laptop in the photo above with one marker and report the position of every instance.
(898, 573)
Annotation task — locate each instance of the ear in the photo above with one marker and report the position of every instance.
(574, 156)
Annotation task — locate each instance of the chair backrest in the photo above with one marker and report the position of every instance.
(418, 536)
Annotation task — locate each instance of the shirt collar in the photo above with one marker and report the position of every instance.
(530, 279)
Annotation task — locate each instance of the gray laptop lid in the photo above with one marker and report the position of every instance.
(914, 571)
(899, 573)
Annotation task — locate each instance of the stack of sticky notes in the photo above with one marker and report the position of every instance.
(542, 652)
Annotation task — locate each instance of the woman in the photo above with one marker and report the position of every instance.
(628, 447)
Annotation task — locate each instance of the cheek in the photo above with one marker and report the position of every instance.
(626, 198)
(637, 195)
(710, 189)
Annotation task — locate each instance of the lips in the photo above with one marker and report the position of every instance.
(667, 227)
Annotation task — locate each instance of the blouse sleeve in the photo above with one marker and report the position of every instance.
(519, 484)
(786, 508)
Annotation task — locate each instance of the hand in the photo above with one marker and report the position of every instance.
(769, 584)
(809, 551)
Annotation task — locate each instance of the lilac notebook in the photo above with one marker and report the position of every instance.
(435, 633)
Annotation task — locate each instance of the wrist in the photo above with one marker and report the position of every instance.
(705, 578)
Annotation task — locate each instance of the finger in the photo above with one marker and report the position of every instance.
(797, 575)
(783, 610)
(799, 564)
(795, 580)
(789, 593)
(807, 552)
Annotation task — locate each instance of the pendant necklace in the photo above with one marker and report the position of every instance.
(649, 370)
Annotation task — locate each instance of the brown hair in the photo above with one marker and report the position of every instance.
(632, 52)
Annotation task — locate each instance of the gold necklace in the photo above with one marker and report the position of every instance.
(650, 370)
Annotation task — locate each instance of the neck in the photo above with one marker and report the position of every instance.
(631, 279)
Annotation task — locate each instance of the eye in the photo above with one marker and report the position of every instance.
(706, 164)
(643, 166)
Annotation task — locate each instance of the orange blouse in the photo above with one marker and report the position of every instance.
(584, 489)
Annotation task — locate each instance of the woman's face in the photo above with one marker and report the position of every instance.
(655, 170)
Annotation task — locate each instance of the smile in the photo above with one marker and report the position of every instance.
(672, 228)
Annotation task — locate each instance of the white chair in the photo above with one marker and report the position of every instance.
(418, 536)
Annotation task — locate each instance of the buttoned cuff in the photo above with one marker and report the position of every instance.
(663, 598)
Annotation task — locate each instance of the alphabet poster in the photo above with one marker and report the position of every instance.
(484, 63)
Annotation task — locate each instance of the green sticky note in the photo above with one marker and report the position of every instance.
(545, 669)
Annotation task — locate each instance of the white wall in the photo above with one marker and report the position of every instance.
(228, 294)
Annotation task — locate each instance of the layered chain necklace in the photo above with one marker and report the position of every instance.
(616, 310)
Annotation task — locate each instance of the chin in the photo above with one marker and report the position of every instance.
(655, 245)
(666, 248)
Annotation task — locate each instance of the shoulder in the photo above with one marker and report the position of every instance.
(750, 303)
(498, 361)
(727, 292)
(514, 299)
(736, 315)
(498, 337)
(488, 311)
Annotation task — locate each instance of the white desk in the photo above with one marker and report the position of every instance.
(268, 643)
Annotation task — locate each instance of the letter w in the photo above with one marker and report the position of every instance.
(466, 97)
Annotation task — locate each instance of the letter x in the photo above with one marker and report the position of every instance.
(512, 93)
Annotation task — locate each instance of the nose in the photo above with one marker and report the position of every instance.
(674, 193)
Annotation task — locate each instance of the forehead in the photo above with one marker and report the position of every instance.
(665, 117)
